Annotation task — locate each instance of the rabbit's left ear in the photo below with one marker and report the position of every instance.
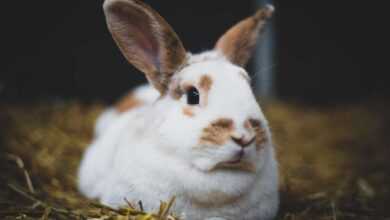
(238, 43)
(146, 40)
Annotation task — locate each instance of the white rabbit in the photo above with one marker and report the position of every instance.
(197, 133)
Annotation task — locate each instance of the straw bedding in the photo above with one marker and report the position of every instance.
(333, 162)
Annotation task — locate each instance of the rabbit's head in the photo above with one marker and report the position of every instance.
(207, 114)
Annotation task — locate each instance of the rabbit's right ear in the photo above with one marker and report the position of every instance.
(238, 43)
(146, 40)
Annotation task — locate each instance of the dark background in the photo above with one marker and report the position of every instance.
(326, 52)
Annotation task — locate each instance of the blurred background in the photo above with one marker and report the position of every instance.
(322, 67)
(318, 51)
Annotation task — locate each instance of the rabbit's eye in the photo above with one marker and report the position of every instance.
(192, 96)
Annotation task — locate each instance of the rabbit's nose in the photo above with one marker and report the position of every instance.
(242, 141)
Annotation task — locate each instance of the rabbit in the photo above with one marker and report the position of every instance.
(196, 132)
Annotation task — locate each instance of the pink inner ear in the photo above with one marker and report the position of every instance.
(239, 41)
(140, 45)
(142, 35)
(146, 40)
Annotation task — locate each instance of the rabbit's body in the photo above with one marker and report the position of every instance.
(197, 134)
(124, 162)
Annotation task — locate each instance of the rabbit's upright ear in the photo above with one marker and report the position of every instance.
(145, 39)
(238, 43)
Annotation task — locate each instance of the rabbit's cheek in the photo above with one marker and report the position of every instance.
(261, 136)
(206, 156)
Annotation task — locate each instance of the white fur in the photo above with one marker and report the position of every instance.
(152, 152)
(147, 94)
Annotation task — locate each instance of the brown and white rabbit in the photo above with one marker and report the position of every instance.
(196, 132)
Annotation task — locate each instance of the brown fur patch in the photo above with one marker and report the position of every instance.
(188, 111)
(205, 82)
(254, 123)
(260, 132)
(218, 132)
(176, 91)
(126, 103)
(239, 41)
(261, 138)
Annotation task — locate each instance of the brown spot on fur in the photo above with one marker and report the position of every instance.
(254, 123)
(239, 41)
(216, 199)
(205, 83)
(261, 138)
(176, 91)
(218, 132)
(260, 132)
(126, 103)
(188, 111)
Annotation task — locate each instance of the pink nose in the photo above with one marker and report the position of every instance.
(242, 141)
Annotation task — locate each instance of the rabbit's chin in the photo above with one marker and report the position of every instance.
(208, 165)
(204, 164)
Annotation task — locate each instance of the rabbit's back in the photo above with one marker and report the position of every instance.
(141, 96)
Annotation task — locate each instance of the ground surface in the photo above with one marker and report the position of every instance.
(333, 161)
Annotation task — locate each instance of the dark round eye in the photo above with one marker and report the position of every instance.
(192, 96)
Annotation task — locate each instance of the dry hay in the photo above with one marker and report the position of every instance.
(333, 162)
